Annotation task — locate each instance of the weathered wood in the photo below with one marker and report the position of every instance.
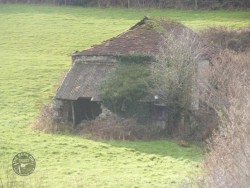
(195, 4)
(73, 113)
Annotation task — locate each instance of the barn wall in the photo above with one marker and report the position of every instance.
(61, 110)
(197, 125)
(201, 83)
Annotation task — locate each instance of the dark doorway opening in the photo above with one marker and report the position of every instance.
(85, 109)
(159, 112)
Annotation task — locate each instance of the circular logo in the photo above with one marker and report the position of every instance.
(23, 164)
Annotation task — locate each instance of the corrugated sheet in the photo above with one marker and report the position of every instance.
(83, 80)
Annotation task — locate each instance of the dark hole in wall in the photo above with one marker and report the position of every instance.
(85, 109)
(159, 112)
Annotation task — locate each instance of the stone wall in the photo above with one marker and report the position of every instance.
(60, 110)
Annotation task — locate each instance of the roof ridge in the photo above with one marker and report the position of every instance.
(143, 21)
(144, 37)
(140, 23)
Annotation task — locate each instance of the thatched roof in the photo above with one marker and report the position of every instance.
(83, 80)
(144, 37)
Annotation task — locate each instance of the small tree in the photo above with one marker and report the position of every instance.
(174, 76)
(122, 90)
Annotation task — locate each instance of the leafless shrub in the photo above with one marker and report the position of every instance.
(44, 122)
(175, 79)
(225, 38)
(228, 160)
(174, 74)
(226, 79)
(117, 129)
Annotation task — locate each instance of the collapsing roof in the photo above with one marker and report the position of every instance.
(145, 37)
(83, 80)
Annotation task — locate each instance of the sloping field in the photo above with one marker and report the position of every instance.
(35, 47)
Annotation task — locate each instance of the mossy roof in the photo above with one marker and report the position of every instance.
(83, 80)
(145, 37)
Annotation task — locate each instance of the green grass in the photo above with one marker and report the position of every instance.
(35, 47)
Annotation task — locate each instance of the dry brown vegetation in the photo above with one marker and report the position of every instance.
(174, 75)
(45, 123)
(175, 80)
(111, 128)
(118, 129)
(227, 91)
(227, 163)
(224, 38)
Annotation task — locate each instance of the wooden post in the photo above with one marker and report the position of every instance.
(195, 4)
(73, 113)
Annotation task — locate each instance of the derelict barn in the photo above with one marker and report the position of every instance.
(77, 98)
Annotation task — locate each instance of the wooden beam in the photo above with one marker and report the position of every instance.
(73, 113)
(195, 4)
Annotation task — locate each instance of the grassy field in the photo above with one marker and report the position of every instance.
(35, 47)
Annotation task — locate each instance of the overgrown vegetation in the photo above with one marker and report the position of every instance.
(117, 128)
(126, 85)
(224, 38)
(227, 163)
(44, 122)
(113, 127)
(174, 76)
(227, 91)
(35, 48)
(152, 24)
